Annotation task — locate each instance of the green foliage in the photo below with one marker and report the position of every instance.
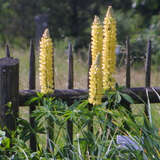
(66, 18)
(138, 19)
(146, 136)
(109, 120)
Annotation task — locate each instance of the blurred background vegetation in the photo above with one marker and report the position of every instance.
(71, 19)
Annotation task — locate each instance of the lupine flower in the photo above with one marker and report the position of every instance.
(95, 82)
(108, 53)
(96, 38)
(46, 63)
(95, 74)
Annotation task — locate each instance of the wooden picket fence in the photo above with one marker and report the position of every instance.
(10, 93)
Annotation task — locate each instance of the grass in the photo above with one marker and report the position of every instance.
(80, 74)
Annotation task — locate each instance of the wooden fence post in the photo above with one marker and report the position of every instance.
(9, 91)
(148, 79)
(7, 51)
(32, 85)
(70, 86)
(128, 74)
(148, 65)
(128, 71)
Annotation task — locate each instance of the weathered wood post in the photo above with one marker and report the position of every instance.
(9, 91)
(148, 80)
(128, 71)
(128, 78)
(70, 86)
(7, 51)
(32, 85)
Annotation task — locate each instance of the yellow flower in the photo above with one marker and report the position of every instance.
(95, 75)
(96, 38)
(108, 53)
(46, 63)
(95, 82)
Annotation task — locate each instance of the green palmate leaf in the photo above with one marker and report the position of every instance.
(127, 98)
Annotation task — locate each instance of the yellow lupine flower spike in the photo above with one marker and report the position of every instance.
(108, 53)
(95, 82)
(96, 38)
(46, 63)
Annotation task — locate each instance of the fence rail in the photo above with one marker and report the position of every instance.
(9, 91)
(138, 95)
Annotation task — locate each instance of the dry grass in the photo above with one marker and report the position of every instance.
(80, 71)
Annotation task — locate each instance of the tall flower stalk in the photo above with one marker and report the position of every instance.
(95, 74)
(96, 38)
(108, 53)
(95, 85)
(46, 64)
